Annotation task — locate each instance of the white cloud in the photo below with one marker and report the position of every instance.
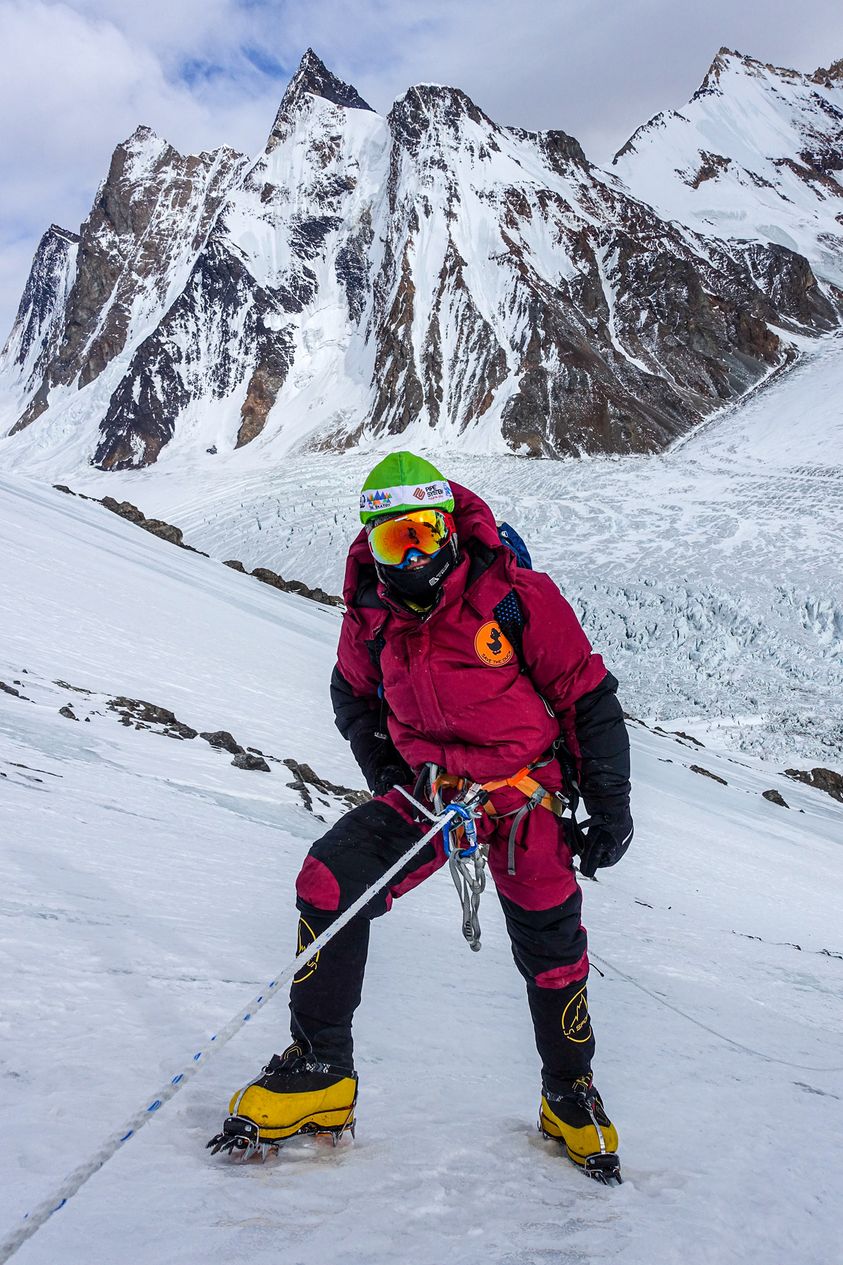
(77, 77)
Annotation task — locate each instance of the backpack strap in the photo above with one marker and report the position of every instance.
(510, 620)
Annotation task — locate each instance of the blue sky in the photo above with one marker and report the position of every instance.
(77, 76)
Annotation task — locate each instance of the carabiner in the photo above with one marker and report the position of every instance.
(467, 824)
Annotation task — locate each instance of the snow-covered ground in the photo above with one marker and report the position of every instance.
(146, 893)
(709, 576)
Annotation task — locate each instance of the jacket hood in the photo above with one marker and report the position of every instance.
(475, 524)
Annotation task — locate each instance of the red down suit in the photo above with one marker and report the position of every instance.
(454, 690)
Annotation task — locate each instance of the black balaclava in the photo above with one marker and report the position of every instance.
(421, 585)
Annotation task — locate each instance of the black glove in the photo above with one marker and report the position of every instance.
(387, 777)
(605, 842)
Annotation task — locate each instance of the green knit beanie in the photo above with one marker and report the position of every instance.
(403, 481)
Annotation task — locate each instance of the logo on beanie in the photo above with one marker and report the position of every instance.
(420, 494)
(576, 1021)
(491, 647)
(375, 500)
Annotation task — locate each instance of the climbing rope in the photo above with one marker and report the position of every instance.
(721, 1036)
(75, 1180)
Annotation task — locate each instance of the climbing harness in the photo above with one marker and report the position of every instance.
(467, 857)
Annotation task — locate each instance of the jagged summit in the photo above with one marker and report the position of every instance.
(756, 155)
(827, 75)
(65, 234)
(427, 105)
(313, 78)
(729, 58)
(435, 270)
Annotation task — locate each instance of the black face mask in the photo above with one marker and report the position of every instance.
(423, 584)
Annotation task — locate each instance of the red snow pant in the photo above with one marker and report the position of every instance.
(541, 903)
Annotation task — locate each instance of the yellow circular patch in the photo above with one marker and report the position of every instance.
(492, 647)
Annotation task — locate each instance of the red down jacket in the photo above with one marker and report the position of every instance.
(455, 688)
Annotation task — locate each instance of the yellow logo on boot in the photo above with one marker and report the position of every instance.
(305, 937)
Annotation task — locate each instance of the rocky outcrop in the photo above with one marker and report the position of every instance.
(432, 272)
(150, 218)
(175, 536)
(142, 715)
(305, 780)
(276, 581)
(823, 779)
(698, 768)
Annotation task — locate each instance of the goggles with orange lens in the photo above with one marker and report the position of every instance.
(416, 535)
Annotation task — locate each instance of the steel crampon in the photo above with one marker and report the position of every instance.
(240, 1138)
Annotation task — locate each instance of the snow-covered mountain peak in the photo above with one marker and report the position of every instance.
(730, 63)
(434, 270)
(312, 79)
(829, 74)
(433, 112)
(755, 154)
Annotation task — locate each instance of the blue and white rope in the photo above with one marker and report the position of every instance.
(72, 1183)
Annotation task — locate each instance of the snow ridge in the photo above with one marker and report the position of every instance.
(426, 272)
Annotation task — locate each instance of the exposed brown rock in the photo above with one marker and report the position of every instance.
(149, 716)
(295, 586)
(710, 167)
(697, 768)
(255, 763)
(223, 740)
(128, 238)
(166, 531)
(823, 779)
(775, 798)
(305, 777)
(67, 712)
(261, 394)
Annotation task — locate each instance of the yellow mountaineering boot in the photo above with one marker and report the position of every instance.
(577, 1118)
(295, 1093)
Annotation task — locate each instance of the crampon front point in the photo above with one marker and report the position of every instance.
(602, 1166)
(241, 1138)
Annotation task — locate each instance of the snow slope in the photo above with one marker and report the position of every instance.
(710, 574)
(146, 893)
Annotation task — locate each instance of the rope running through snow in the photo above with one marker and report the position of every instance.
(75, 1180)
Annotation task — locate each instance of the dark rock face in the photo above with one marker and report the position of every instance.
(41, 306)
(823, 779)
(255, 763)
(192, 345)
(143, 715)
(697, 768)
(775, 798)
(150, 216)
(314, 78)
(223, 741)
(438, 270)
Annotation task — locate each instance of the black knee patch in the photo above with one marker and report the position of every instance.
(545, 939)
